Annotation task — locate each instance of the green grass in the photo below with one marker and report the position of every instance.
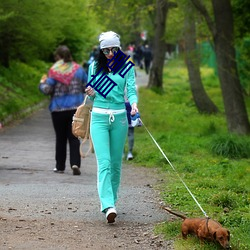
(19, 88)
(214, 164)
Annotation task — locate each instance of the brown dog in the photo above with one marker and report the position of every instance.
(204, 229)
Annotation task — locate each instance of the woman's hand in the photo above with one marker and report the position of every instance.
(134, 109)
(90, 91)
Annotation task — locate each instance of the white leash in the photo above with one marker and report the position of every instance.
(174, 169)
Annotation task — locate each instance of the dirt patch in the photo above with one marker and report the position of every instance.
(51, 234)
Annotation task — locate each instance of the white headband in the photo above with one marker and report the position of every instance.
(109, 39)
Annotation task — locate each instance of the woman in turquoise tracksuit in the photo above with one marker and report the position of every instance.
(109, 123)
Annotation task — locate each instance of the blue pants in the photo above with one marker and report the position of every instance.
(108, 139)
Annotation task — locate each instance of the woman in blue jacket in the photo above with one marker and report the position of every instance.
(65, 84)
(109, 123)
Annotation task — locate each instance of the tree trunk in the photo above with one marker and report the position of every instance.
(223, 38)
(159, 47)
(201, 99)
(235, 109)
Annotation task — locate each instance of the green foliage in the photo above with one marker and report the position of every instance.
(175, 25)
(19, 87)
(224, 200)
(135, 16)
(219, 183)
(29, 33)
(243, 59)
(241, 17)
(231, 146)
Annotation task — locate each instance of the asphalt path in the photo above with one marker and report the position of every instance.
(31, 190)
(26, 164)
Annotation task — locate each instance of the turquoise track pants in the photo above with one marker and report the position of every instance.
(108, 136)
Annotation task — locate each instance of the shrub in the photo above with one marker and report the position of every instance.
(223, 200)
(231, 146)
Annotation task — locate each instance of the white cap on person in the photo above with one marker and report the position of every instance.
(109, 39)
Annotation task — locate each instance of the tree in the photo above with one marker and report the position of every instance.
(125, 17)
(156, 72)
(28, 33)
(223, 38)
(201, 99)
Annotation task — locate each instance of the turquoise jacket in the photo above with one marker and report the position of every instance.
(115, 98)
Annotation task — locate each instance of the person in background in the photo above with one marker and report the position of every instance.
(109, 123)
(93, 55)
(139, 56)
(65, 84)
(130, 133)
(147, 54)
(131, 130)
(130, 52)
(130, 127)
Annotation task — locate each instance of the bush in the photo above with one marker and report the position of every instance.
(231, 146)
(224, 200)
(19, 88)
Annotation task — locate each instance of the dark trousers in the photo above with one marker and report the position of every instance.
(130, 129)
(62, 122)
(147, 65)
(130, 139)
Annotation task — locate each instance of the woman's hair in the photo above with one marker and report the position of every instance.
(63, 52)
(102, 62)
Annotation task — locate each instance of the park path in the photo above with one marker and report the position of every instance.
(43, 210)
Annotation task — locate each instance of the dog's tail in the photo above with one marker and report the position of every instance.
(175, 213)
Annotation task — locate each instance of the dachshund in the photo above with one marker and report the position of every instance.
(204, 229)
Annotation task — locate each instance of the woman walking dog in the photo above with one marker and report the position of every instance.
(109, 123)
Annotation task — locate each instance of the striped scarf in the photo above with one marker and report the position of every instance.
(63, 72)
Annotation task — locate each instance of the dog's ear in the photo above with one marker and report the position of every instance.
(228, 237)
(214, 235)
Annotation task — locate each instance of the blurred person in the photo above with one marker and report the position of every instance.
(93, 55)
(138, 56)
(65, 84)
(147, 54)
(130, 133)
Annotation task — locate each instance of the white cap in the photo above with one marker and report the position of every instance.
(109, 39)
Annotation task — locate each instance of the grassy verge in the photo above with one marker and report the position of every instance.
(19, 89)
(214, 164)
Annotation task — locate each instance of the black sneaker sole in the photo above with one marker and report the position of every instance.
(111, 217)
(76, 171)
(58, 171)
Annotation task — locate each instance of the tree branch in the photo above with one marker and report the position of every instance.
(202, 9)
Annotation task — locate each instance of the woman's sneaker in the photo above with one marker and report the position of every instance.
(111, 214)
(130, 156)
(76, 170)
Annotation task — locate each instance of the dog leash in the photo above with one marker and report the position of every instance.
(174, 169)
